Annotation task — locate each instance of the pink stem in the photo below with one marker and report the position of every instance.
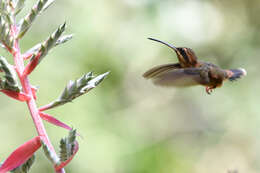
(19, 64)
(45, 107)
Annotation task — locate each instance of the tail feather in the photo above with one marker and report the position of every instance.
(234, 74)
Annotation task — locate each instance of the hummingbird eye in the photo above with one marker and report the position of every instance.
(181, 49)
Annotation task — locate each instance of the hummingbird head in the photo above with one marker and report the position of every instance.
(185, 55)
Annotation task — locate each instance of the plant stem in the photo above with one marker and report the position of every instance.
(45, 107)
(19, 64)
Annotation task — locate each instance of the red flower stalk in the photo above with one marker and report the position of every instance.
(10, 36)
(29, 91)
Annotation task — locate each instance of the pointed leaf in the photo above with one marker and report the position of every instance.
(21, 154)
(32, 64)
(28, 54)
(16, 95)
(27, 21)
(75, 89)
(94, 82)
(54, 121)
(63, 164)
(6, 10)
(19, 6)
(48, 4)
(24, 168)
(10, 82)
(6, 37)
(44, 49)
(63, 39)
(49, 154)
(68, 148)
(3, 6)
(51, 41)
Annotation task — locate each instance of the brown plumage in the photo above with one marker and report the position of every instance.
(190, 71)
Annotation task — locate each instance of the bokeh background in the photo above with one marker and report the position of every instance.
(128, 125)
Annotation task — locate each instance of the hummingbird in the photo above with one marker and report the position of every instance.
(190, 71)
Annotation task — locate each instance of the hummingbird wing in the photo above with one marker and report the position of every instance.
(184, 77)
(234, 74)
(157, 70)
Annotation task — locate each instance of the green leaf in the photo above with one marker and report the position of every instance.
(10, 81)
(6, 7)
(67, 146)
(3, 6)
(47, 4)
(36, 48)
(76, 88)
(51, 156)
(48, 44)
(5, 35)
(63, 39)
(19, 4)
(27, 21)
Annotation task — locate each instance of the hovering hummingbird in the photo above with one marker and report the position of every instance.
(190, 71)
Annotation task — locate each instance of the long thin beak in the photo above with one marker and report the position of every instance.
(169, 45)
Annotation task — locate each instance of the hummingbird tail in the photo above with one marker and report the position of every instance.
(235, 74)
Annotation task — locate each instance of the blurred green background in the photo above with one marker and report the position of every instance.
(128, 124)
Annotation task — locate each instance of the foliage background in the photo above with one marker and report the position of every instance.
(129, 125)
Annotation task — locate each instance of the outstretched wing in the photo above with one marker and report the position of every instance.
(184, 77)
(157, 70)
(234, 74)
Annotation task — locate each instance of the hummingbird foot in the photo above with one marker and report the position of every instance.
(209, 90)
